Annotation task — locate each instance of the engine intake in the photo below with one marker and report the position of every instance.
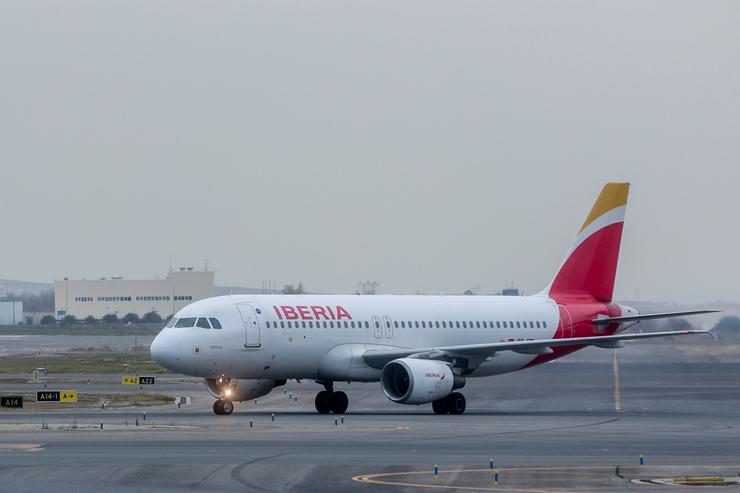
(418, 381)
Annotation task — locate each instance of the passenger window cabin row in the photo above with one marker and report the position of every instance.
(330, 324)
(207, 323)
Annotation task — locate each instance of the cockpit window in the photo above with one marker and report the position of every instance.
(172, 322)
(185, 322)
(216, 324)
(203, 323)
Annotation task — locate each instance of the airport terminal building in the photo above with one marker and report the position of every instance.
(115, 295)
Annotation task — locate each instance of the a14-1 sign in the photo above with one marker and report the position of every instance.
(56, 396)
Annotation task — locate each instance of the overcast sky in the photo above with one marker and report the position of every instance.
(431, 146)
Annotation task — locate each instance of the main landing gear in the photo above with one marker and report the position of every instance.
(328, 401)
(223, 407)
(452, 404)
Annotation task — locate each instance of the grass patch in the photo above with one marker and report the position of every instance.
(92, 401)
(82, 363)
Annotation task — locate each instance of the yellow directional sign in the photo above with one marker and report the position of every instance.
(68, 396)
(137, 380)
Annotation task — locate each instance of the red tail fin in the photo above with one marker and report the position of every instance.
(591, 264)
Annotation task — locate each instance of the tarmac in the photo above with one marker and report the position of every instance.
(552, 428)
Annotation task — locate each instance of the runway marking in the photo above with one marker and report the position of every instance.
(374, 478)
(25, 447)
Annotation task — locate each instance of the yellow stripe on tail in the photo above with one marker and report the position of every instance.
(613, 195)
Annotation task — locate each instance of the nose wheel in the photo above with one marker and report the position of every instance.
(223, 407)
(331, 402)
(452, 404)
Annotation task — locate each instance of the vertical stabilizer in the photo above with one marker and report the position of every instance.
(591, 264)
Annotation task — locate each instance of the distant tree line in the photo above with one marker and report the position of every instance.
(290, 289)
(111, 318)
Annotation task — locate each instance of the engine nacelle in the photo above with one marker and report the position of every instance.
(418, 381)
(240, 390)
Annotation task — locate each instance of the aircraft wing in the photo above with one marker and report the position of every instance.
(377, 358)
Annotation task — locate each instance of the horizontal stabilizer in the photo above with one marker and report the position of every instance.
(648, 316)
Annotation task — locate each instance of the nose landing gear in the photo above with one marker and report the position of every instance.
(223, 407)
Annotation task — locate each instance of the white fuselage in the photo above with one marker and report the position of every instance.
(323, 337)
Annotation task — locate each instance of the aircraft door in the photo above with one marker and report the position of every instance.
(251, 327)
(377, 328)
(388, 327)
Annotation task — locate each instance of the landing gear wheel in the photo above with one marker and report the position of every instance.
(222, 407)
(227, 407)
(456, 403)
(323, 402)
(441, 406)
(339, 402)
(218, 407)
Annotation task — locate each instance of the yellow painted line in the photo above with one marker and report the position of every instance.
(377, 478)
(371, 479)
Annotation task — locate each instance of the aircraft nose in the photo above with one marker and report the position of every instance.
(165, 350)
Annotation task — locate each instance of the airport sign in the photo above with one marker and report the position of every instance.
(15, 401)
(137, 380)
(56, 396)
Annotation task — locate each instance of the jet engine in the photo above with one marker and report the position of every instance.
(418, 381)
(240, 390)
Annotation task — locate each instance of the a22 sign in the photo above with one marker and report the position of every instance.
(137, 380)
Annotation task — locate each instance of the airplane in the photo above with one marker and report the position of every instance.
(421, 349)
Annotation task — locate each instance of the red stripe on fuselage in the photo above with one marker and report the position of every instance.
(581, 310)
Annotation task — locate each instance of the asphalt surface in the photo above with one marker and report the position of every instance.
(550, 428)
